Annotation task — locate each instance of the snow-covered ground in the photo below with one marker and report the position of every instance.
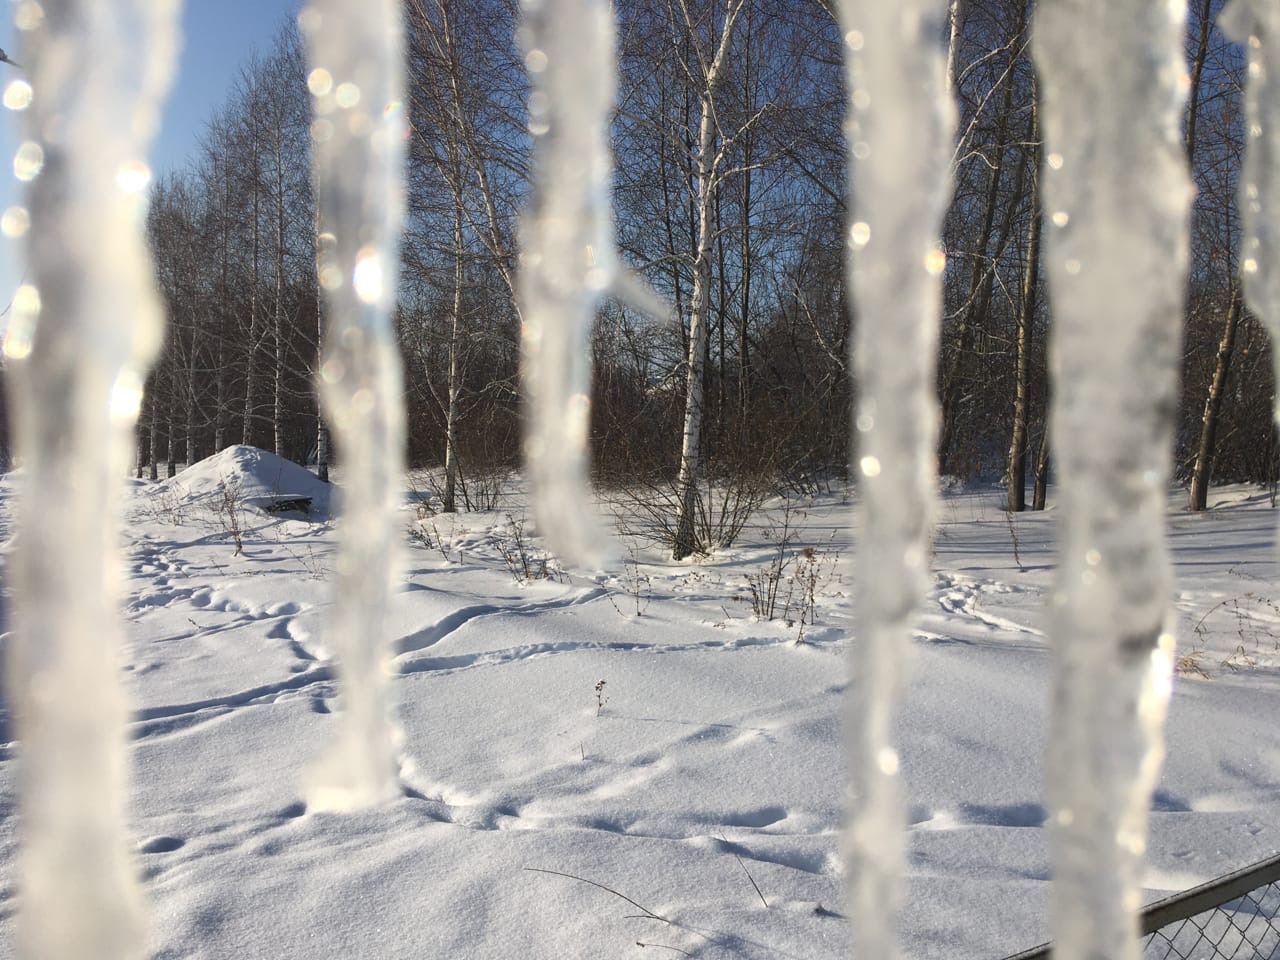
(702, 783)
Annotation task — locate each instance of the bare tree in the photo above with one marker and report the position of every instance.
(468, 167)
(1202, 469)
(706, 67)
(1016, 474)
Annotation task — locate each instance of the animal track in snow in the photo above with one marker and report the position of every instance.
(757, 819)
(451, 622)
(959, 597)
(1010, 815)
(264, 693)
(448, 664)
(161, 845)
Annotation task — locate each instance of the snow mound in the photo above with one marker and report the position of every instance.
(260, 479)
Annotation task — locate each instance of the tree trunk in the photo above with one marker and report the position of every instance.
(171, 446)
(1202, 470)
(322, 431)
(955, 22)
(1197, 71)
(152, 448)
(707, 183)
(1017, 471)
(192, 393)
(144, 434)
(722, 310)
(224, 292)
(277, 385)
(744, 285)
(1042, 471)
(744, 313)
(1202, 473)
(451, 414)
(686, 539)
(322, 450)
(974, 316)
(251, 369)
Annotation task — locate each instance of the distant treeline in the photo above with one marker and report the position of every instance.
(730, 196)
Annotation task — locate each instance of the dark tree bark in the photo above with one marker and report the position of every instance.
(1017, 469)
(1041, 490)
(1202, 472)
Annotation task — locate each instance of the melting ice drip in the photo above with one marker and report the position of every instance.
(86, 328)
(899, 131)
(1118, 192)
(355, 54)
(1117, 196)
(567, 257)
(569, 260)
(84, 332)
(1256, 23)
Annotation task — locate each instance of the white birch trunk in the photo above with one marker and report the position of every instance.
(955, 22)
(899, 131)
(277, 320)
(355, 52)
(220, 413)
(686, 540)
(1117, 195)
(450, 504)
(84, 332)
(322, 429)
(708, 180)
(192, 392)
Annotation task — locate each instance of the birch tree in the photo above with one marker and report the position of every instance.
(707, 67)
(468, 163)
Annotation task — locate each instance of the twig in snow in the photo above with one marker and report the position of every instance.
(648, 914)
(747, 872)
(663, 946)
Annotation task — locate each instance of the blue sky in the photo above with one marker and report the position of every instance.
(218, 36)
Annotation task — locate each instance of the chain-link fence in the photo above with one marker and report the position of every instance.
(1235, 917)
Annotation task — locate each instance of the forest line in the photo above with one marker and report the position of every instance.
(730, 195)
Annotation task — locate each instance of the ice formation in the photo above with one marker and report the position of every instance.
(1256, 23)
(355, 56)
(899, 131)
(1117, 192)
(85, 330)
(569, 261)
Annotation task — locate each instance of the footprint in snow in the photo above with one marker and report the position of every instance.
(161, 845)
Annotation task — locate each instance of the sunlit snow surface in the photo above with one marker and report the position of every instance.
(87, 325)
(1117, 194)
(719, 737)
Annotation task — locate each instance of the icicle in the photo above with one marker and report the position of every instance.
(1117, 193)
(358, 137)
(568, 260)
(1256, 23)
(85, 330)
(899, 137)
